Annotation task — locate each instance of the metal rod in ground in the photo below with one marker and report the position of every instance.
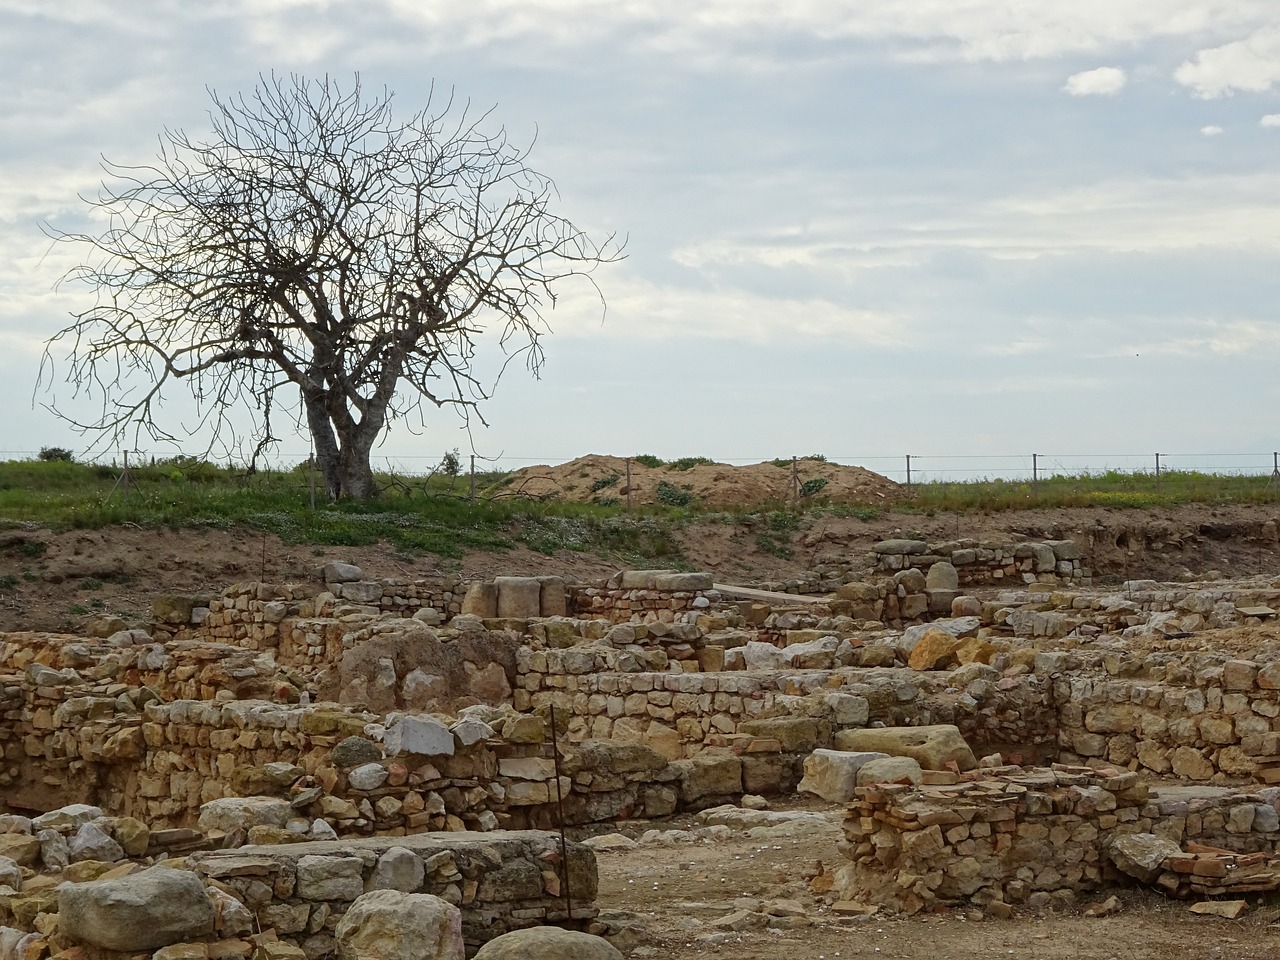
(628, 484)
(471, 497)
(564, 846)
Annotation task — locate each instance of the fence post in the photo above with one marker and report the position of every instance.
(908, 474)
(795, 484)
(1157, 473)
(628, 484)
(1035, 473)
(471, 497)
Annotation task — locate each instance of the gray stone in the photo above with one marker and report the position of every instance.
(91, 842)
(390, 925)
(282, 774)
(240, 813)
(470, 731)
(367, 776)
(354, 751)
(10, 874)
(329, 878)
(71, 817)
(398, 869)
(141, 912)
(337, 572)
(548, 943)
(833, 774)
(423, 736)
(481, 600)
(682, 582)
(54, 853)
(848, 710)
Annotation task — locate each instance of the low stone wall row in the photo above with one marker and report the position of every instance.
(1021, 836)
(981, 563)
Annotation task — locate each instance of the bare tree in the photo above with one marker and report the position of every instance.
(315, 257)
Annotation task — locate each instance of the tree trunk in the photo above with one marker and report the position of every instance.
(343, 449)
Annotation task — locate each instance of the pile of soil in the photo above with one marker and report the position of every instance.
(597, 479)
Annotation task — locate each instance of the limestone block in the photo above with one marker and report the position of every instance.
(136, 913)
(933, 747)
(848, 710)
(933, 651)
(519, 598)
(833, 774)
(354, 751)
(470, 731)
(959, 627)
(1239, 674)
(709, 775)
(795, 734)
(391, 925)
(20, 847)
(942, 576)
(423, 736)
(481, 600)
(682, 582)
(361, 591)
(975, 650)
(890, 770)
(553, 598)
(1191, 763)
(231, 813)
(329, 878)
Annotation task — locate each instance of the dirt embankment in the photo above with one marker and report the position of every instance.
(597, 479)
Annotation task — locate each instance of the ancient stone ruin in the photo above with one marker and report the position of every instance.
(294, 770)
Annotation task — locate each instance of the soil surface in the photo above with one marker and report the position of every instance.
(678, 892)
(68, 580)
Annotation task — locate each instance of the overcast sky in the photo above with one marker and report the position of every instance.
(867, 228)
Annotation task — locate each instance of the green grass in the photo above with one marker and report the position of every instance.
(1107, 489)
(433, 515)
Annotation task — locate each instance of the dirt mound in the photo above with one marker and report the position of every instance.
(600, 479)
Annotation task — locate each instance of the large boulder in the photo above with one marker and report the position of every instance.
(890, 770)
(423, 736)
(933, 747)
(390, 925)
(519, 598)
(547, 943)
(137, 913)
(833, 774)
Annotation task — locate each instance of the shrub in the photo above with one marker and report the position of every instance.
(672, 495)
(684, 463)
(648, 460)
(50, 454)
(812, 486)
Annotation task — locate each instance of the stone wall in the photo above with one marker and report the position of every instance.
(983, 563)
(1020, 836)
(500, 881)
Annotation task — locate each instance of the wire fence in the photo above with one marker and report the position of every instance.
(907, 469)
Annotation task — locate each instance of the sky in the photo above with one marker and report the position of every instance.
(965, 230)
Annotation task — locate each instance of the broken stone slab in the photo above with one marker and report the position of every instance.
(338, 572)
(141, 912)
(933, 746)
(833, 774)
(1226, 909)
(71, 817)
(935, 650)
(900, 547)
(1140, 855)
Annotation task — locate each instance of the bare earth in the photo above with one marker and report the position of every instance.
(679, 891)
(64, 581)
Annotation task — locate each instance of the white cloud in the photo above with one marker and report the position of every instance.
(1102, 82)
(1249, 65)
(1271, 120)
(1211, 130)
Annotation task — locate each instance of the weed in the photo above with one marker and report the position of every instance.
(648, 460)
(605, 482)
(8, 582)
(90, 583)
(673, 496)
(686, 463)
(812, 486)
(77, 610)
